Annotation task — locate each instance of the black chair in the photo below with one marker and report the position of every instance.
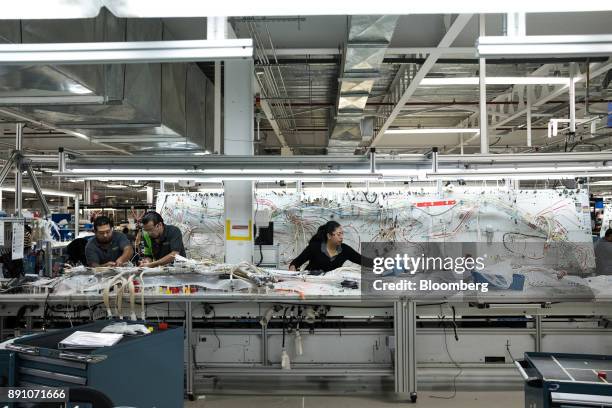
(76, 251)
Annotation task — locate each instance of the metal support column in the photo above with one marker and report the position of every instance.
(404, 326)
(482, 89)
(238, 140)
(217, 29)
(87, 192)
(190, 361)
(150, 195)
(572, 98)
(18, 173)
(538, 335)
(516, 26)
(217, 111)
(265, 359)
(76, 216)
(48, 258)
(529, 95)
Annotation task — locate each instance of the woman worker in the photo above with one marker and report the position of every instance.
(326, 252)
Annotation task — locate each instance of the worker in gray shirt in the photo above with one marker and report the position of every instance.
(162, 243)
(603, 254)
(108, 247)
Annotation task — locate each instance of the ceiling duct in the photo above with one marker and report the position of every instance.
(367, 41)
(138, 107)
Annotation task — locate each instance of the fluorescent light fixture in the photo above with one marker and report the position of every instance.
(210, 190)
(556, 46)
(421, 131)
(116, 186)
(143, 174)
(523, 173)
(223, 176)
(51, 100)
(45, 192)
(529, 80)
(124, 52)
(79, 135)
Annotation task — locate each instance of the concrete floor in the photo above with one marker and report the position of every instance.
(497, 399)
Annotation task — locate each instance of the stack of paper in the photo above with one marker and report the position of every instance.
(83, 339)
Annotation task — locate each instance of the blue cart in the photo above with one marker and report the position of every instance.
(139, 371)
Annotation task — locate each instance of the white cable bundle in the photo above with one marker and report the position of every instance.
(285, 361)
(299, 349)
(266, 317)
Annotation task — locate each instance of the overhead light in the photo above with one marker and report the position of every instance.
(210, 190)
(143, 174)
(523, 173)
(46, 192)
(430, 131)
(116, 186)
(556, 46)
(124, 52)
(77, 134)
(223, 176)
(529, 80)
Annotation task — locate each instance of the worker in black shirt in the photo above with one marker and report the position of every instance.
(162, 242)
(326, 252)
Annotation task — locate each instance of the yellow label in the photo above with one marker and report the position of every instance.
(238, 236)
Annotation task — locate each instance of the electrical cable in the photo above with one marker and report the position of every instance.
(508, 350)
(214, 327)
(260, 255)
(454, 386)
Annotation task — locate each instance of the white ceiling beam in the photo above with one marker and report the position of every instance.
(50, 9)
(450, 36)
(125, 52)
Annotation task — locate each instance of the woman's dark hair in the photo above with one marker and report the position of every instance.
(328, 228)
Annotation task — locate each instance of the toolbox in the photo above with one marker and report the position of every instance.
(139, 371)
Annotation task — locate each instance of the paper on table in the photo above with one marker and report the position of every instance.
(83, 339)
